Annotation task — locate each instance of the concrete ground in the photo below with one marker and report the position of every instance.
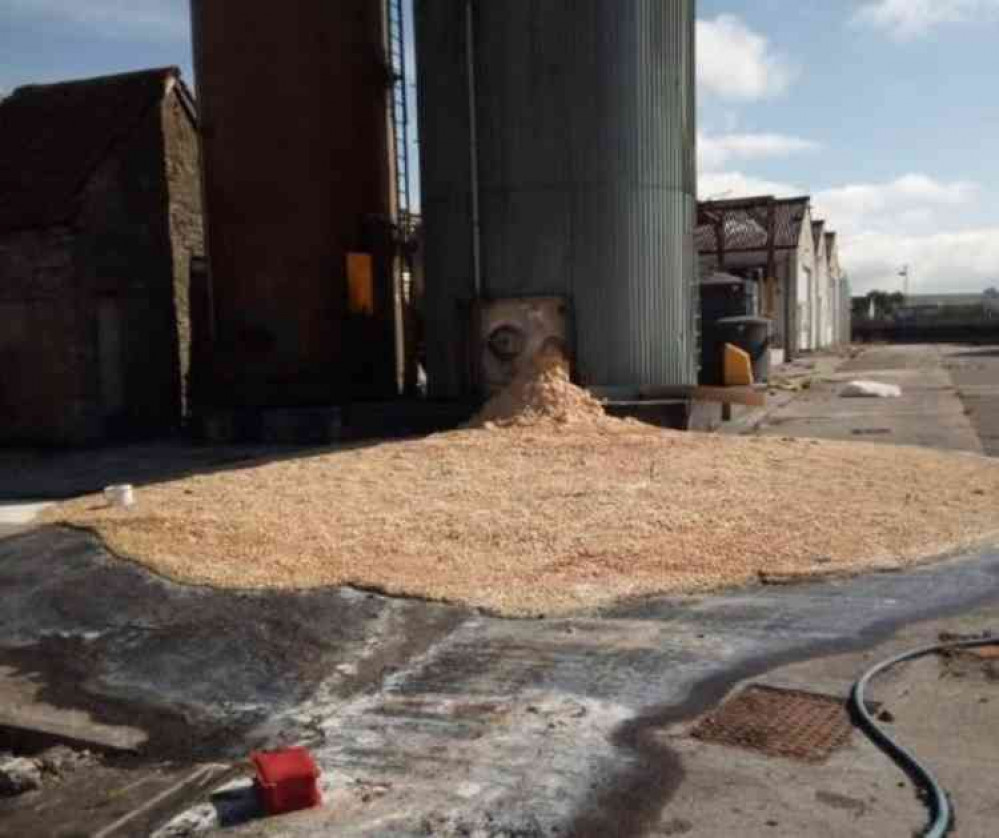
(428, 720)
(431, 720)
(975, 372)
(930, 412)
(940, 707)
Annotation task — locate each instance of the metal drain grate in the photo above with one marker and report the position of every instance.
(787, 723)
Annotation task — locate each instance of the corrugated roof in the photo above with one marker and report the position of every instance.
(745, 223)
(53, 137)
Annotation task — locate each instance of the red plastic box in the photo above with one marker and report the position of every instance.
(286, 780)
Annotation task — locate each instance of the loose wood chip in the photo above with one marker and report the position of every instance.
(551, 506)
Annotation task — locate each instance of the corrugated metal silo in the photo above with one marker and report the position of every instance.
(578, 161)
(296, 146)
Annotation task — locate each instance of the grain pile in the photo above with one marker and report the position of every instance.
(556, 508)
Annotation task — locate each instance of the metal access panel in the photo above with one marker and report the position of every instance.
(513, 332)
(779, 722)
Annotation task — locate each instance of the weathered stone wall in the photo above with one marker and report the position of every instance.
(44, 350)
(183, 172)
(123, 262)
(123, 257)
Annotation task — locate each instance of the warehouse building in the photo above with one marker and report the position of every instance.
(770, 240)
(821, 302)
(840, 290)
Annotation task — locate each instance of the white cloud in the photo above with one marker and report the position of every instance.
(722, 185)
(734, 62)
(715, 151)
(907, 19)
(909, 203)
(939, 262)
(883, 226)
(159, 20)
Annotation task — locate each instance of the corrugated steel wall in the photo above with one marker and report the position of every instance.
(587, 167)
(293, 101)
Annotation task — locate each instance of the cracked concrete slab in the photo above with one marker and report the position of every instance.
(930, 412)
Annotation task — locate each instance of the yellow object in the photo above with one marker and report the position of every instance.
(737, 367)
(360, 283)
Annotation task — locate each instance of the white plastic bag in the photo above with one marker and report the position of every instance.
(120, 497)
(870, 390)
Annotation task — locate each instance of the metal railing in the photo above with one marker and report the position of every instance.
(400, 110)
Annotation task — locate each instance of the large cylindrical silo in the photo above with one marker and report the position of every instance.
(558, 159)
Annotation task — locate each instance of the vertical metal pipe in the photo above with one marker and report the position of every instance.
(473, 147)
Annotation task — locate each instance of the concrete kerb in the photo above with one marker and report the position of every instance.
(753, 418)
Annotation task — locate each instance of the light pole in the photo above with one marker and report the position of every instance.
(904, 273)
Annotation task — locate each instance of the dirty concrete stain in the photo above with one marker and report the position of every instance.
(842, 802)
(558, 720)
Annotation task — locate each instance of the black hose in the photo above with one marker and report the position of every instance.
(939, 805)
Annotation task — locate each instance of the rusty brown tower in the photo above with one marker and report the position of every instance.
(294, 102)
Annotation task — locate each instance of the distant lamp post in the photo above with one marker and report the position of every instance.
(904, 273)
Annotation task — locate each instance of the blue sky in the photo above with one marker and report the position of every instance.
(51, 40)
(880, 109)
(883, 110)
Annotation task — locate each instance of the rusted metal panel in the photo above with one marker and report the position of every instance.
(585, 117)
(296, 147)
(804, 726)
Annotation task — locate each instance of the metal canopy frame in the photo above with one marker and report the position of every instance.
(750, 225)
(762, 224)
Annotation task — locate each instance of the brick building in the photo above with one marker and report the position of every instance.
(100, 214)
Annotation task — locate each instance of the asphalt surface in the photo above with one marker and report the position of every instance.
(975, 373)
(431, 720)
(427, 719)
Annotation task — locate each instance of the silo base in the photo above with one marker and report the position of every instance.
(672, 414)
(330, 425)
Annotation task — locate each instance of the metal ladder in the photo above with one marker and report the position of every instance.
(400, 110)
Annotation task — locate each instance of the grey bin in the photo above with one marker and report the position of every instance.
(724, 295)
(750, 334)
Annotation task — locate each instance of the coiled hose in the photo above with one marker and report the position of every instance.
(936, 798)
